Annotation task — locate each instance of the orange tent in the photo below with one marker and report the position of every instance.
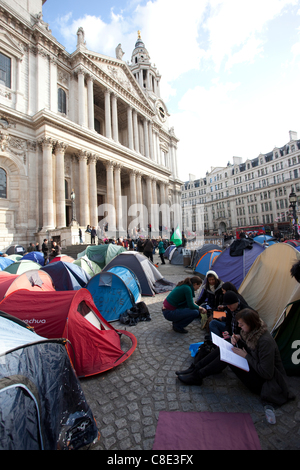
(34, 280)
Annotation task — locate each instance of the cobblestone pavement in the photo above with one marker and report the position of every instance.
(126, 401)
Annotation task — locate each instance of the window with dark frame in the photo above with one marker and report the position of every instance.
(5, 70)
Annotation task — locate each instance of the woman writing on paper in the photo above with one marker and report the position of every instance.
(266, 376)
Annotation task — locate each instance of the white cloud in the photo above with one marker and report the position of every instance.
(237, 28)
(213, 125)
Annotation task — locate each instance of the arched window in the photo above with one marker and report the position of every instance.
(62, 101)
(3, 184)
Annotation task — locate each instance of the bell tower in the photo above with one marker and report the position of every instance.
(144, 72)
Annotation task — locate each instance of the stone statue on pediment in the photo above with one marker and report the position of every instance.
(80, 37)
(119, 52)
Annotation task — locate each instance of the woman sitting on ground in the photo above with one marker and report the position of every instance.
(179, 306)
(266, 376)
(212, 292)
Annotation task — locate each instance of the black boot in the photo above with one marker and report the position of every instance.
(186, 371)
(194, 378)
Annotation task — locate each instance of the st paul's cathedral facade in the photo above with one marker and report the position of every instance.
(84, 138)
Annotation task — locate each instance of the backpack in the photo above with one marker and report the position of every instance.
(139, 312)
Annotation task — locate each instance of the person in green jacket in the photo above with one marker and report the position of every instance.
(179, 306)
(161, 250)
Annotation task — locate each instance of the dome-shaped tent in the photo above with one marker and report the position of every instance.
(20, 267)
(150, 279)
(206, 261)
(88, 265)
(101, 254)
(95, 343)
(66, 276)
(114, 291)
(36, 280)
(36, 256)
(4, 262)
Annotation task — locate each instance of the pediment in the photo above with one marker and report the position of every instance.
(119, 71)
(9, 45)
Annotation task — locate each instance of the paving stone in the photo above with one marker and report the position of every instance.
(127, 400)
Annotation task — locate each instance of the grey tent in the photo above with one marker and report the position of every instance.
(42, 406)
(150, 279)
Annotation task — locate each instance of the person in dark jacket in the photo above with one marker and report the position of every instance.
(148, 249)
(45, 250)
(266, 376)
(212, 293)
(224, 324)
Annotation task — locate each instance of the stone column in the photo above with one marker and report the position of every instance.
(111, 213)
(47, 146)
(136, 132)
(83, 189)
(130, 128)
(115, 118)
(151, 140)
(90, 89)
(139, 197)
(149, 198)
(146, 138)
(118, 198)
(133, 193)
(60, 184)
(80, 96)
(107, 114)
(158, 159)
(163, 205)
(93, 191)
(154, 216)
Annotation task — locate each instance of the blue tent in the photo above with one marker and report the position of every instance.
(114, 291)
(207, 260)
(267, 238)
(234, 268)
(67, 276)
(36, 256)
(4, 262)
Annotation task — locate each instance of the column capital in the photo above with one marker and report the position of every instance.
(83, 155)
(92, 158)
(80, 70)
(47, 142)
(109, 164)
(61, 146)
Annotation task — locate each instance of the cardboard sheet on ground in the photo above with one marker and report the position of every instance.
(178, 430)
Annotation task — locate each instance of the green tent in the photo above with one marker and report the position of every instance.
(89, 266)
(101, 254)
(15, 257)
(287, 337)
(176, 237)
(20, 267)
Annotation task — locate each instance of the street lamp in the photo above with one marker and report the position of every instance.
(293, 203)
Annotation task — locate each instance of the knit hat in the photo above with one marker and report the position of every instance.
(230, 298)
(212, 273)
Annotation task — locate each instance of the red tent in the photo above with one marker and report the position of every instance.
(95, 343)
(34, 280)
(64, 258)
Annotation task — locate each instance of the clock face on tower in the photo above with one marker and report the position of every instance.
(161, 112)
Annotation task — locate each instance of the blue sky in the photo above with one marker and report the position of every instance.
(230, 68)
